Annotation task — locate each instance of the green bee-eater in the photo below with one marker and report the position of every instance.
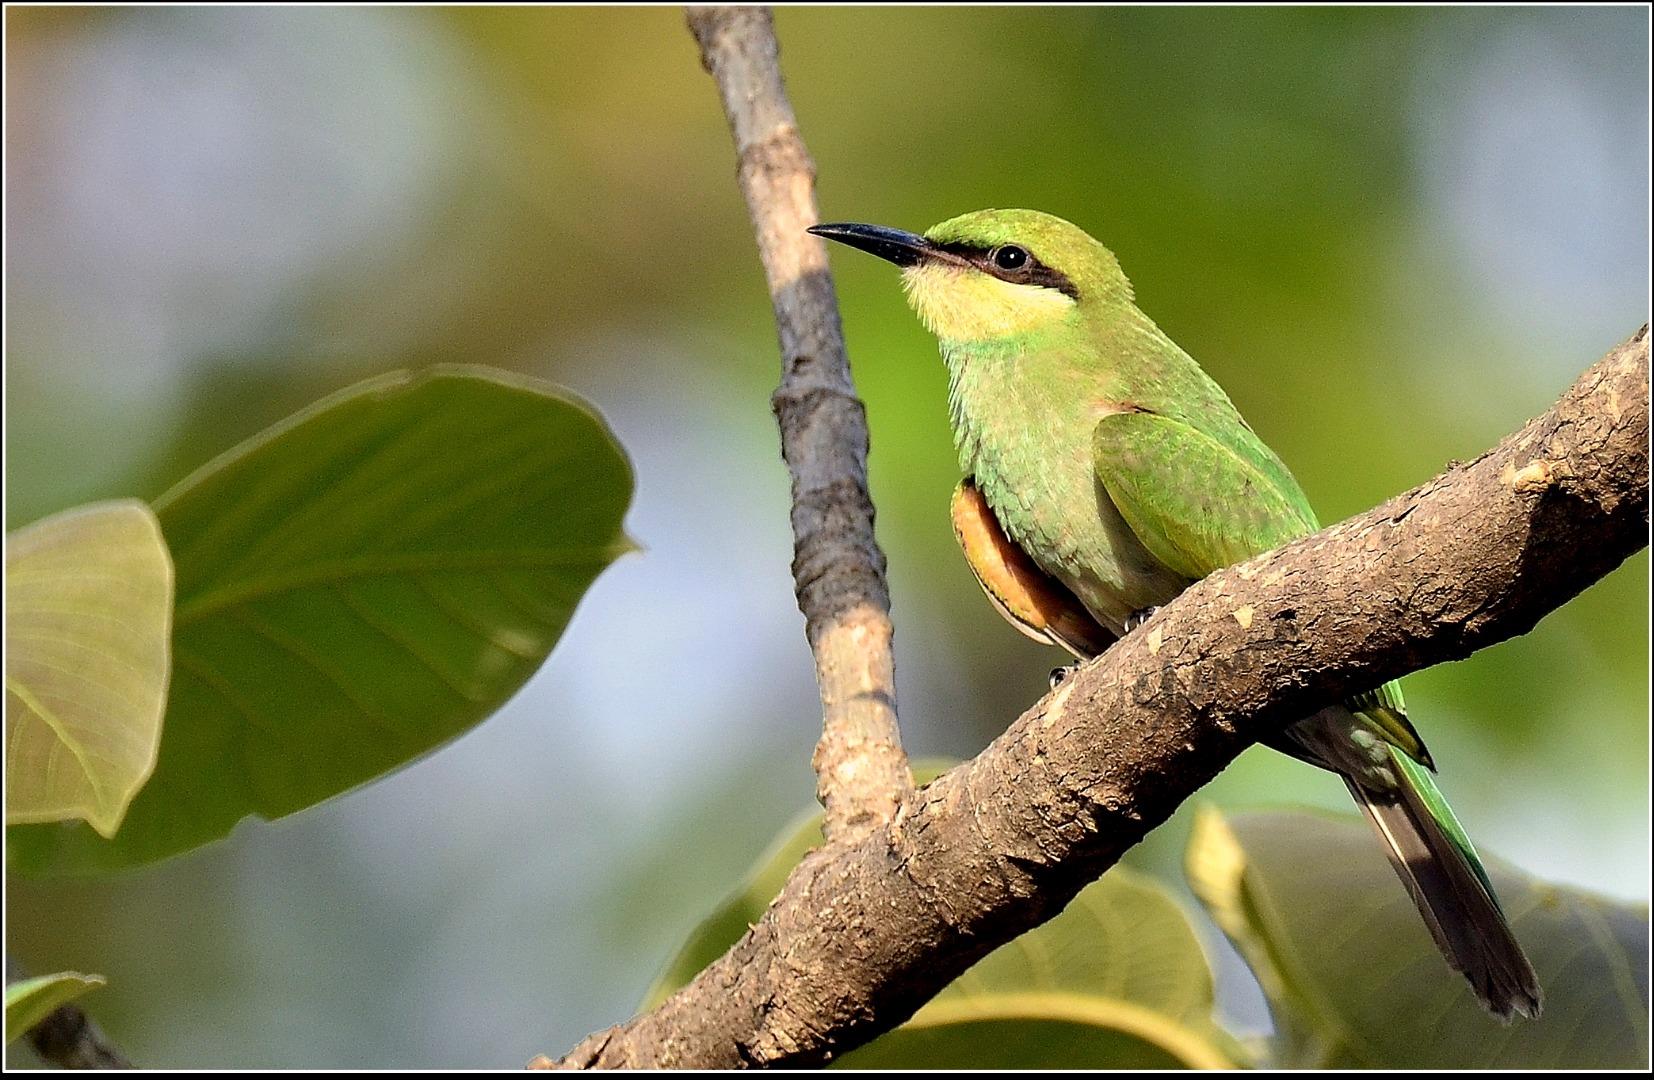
(1106, 472)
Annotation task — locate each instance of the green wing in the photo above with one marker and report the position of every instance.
(1198, 503)
(1200, 500)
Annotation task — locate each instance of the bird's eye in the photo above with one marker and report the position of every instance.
(1010, 257)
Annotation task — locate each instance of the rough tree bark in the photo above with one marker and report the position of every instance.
(890, 910)
(868, 929)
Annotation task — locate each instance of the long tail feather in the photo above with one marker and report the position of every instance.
(1440, 869)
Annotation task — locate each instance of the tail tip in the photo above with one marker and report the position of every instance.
(1508, 1002)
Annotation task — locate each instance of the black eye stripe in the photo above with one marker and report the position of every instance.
(1030, 272)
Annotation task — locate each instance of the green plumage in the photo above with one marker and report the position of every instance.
(1125, 473)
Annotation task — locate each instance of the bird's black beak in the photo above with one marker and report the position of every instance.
(902, 248)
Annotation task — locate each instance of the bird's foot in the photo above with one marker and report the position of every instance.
(1138, 618)
(1059, 675)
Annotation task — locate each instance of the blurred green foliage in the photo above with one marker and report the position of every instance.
(1391, 234)
(357, 585)
(29, 1001)
(1354, 981)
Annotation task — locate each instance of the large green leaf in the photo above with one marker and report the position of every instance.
(1118, 980)
(29, 1001)
(356, 586)
(88, 612)
(1043, 1031)
(1354, 980)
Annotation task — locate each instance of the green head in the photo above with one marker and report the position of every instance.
(995, 274)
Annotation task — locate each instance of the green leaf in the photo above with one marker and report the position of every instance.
(1042, 1031)
(357, 586)
(29, 1001)
(88, 615)
(1354, 980)
(1117, 980)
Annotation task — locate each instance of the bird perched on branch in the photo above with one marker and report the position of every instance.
(1106, 472)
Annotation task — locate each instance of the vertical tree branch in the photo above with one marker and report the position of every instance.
(838, 569)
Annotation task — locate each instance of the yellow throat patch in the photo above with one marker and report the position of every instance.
(967, 305)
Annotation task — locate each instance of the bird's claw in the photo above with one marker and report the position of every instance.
(1059, 675)
(1138, 618)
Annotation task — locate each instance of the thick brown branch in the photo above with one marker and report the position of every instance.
(838, 568)
(869, 928)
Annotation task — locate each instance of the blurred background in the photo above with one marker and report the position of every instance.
(1392, 234)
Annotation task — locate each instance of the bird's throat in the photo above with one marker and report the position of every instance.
(960, 304)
